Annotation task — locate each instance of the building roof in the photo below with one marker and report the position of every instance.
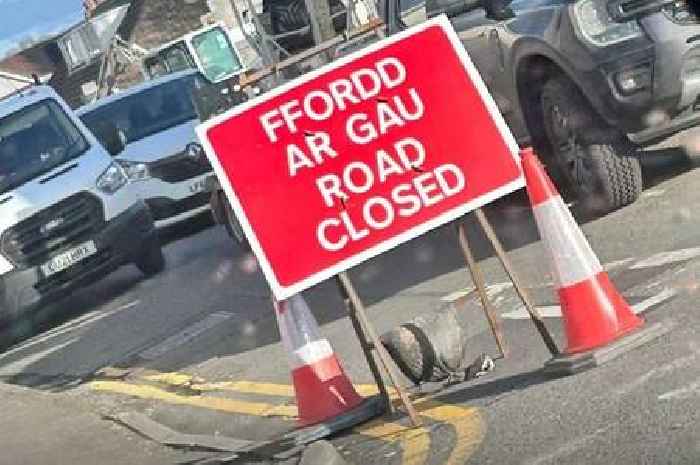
(105, 5)
(40, 38)
(31, 55)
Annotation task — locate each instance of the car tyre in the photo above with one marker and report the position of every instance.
(593, 163)
(287, 16)
(233, 227)
(151, 261)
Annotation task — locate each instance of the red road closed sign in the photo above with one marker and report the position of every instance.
(361, 155)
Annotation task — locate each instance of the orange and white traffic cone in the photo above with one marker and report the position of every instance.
(594, 312)
(322, 388)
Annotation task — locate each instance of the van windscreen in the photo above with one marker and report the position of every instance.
(147, 112)
(34, 140)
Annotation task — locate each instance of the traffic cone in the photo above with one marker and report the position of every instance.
(594, 312)
(322, 389)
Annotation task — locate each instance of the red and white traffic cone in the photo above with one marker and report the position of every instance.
(594, 312)
(322, 388)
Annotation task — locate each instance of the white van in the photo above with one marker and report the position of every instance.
(68, 215)
(163, 157)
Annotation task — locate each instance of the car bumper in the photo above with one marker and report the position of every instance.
(645, 116)
(669, 67)
(676, 86)
(171, 203)
(658, 132)
(119, 242)
(167, 211)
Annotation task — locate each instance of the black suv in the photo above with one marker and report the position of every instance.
(586, 82)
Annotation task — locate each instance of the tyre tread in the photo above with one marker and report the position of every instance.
(616, 164)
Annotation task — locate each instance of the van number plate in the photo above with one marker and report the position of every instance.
(69, 258)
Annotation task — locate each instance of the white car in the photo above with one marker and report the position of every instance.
(163, 157)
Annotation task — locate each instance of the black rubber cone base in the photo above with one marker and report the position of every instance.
(564, 365)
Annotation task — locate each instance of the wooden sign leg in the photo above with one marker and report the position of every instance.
(366, 345)
(478, 279)
(384, 357)
(519, 288)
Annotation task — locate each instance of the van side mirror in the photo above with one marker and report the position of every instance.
(110, 137)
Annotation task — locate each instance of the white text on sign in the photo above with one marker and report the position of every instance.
(405, 156)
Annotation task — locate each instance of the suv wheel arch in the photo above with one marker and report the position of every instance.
(534, 69)
(615, 177)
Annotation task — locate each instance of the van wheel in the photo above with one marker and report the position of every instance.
(596, 164)
(152, 260)
(233, 227)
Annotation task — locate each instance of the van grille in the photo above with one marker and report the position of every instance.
(69, 222)
(179, 168)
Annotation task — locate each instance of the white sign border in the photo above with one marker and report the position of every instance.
(284, 292)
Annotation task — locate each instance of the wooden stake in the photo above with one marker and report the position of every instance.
(366, 346)
(383, 355)
(519, 288)
(478, 279)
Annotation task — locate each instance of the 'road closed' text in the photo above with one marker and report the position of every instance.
(406, 199)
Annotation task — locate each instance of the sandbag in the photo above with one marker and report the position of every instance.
(428, 348)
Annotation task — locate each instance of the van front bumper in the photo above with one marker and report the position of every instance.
(120, 242)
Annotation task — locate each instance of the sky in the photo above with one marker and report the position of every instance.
(23, 20)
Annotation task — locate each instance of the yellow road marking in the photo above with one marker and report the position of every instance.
(172, 378)
(415, 443)
(246, 387)
(213, 403)
(470, 428)
(467, 422)
(270, 389)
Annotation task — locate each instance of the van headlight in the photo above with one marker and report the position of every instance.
(135, 171)
(112, 179)
(5, 265)
(598, 27)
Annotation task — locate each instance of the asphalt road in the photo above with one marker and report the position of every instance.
(196, 348)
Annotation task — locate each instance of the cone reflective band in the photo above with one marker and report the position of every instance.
(322, 389)
(594, 312)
